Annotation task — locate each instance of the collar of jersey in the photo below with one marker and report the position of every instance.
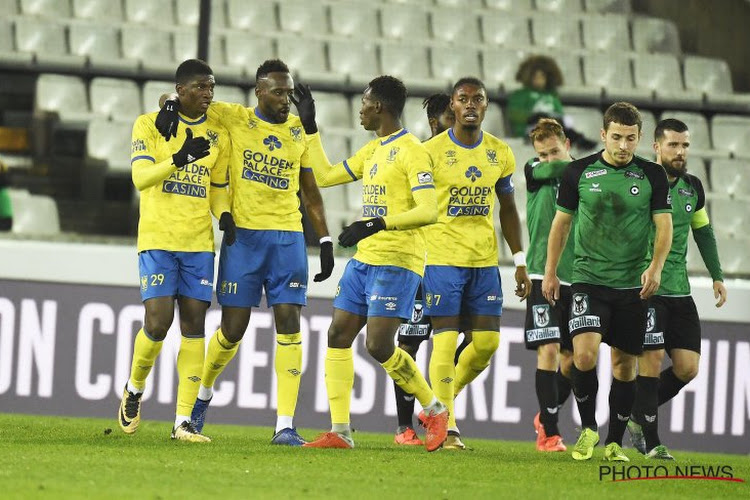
(459, 143)
(188, 122)
(607, 164)
(394, 136)
(260, 115)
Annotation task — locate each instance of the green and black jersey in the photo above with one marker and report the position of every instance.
(688, 211)
(542, 183)
(613, 208)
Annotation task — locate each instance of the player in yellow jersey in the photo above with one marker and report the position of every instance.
(471, 167)
(378, 285)
(181, 184)
(270, 164)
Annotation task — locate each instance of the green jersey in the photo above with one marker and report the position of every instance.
(542, 183)
(526, 102)
(614, 208)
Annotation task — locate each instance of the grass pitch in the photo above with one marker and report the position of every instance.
(60, 457)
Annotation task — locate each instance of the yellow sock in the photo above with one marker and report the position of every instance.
(145, 352)
(288, 370)
(404, 371)
(189, 368)
(220, 353)
(339, 372)
(476, 357)
(442, 369)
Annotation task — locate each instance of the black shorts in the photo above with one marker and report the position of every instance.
(546, 324)
(418, 328)
(618, 315)
(672, 323)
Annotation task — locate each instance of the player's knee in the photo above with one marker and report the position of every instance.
(381, 351)
(337, 337)
(585, 360)
(547, 353)
(649, 364)
(486, 343)
(686, 372)
(231, 332)
(624, 368)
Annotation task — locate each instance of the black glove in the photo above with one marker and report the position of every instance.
(226, 224)
(305, 108)
(360, 230)
(326, 261)
(192, 149)
(167, 119)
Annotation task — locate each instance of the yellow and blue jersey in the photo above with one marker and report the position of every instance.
(466, 180)
(175, 213)
(266, 159)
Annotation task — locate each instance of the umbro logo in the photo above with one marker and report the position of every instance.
(216, 366)
(622, 418)
(583, 399)
(446, 380)
(194, 378)
(408, 397)
(552, 411)
(295, 372)
(650, 418)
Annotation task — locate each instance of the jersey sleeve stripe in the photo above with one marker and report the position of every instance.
(306, 169)
(142, 157)
(220, 185)
(426, 186)
(346, 166)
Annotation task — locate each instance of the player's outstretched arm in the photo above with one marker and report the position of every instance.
(549, 170)
(651, 277)
(558, 237)
(315, 211)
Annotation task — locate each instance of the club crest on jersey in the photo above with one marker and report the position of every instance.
(688, 207)
(417, 313)
(492, 156)
(251, 123)
(580, 303)
(669, 198)
(272, 142)
(213, 137)
(144, 283)
(473, 173)
(635, 190)
(428, 299)
(373, 170)
(650, 319)
(296, 133)
(392, 154)
(634, 175)
(541, 315)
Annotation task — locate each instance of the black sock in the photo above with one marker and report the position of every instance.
(669, 385)
(585, 386)
(646, 409)
(404, 407)
(563, 388)
(546, 393)
(621, 398)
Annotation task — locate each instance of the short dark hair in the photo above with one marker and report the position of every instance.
(547, 127)
(672, 124)
(546, 65)
(270, 66)
(623, 113)
(188, 69)
(390, 91)
(470, 80)
(436, 104)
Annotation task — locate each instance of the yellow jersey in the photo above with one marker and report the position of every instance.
(175, 213)
(465, 183)
(265, 167)
(391, 169)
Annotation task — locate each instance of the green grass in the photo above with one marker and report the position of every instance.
(59, 457)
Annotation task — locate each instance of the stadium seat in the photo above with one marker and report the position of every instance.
(45, 8)
(109, 143)
(115, 99)
(558, 6)
(153, 12)
(731, 133)
(733, 254)
(459, 25)
(253, 15)
(449, 63)
(357, 62)
(499, 67)
(45, 38)
(494, 122)
(100, 43)
(415, 118)
(713, 77)
(700, 138)
(152, 91)
(470, 4)
(404, 22)
(608, 32)
(588, 121)
(554, 31)
(523, 152)
(611, 74)
(651, 34)
(697, 167)
(247, 51)
(733, 215)
(230, 93)
(662, 74)
(357, 21)
(303, 17)
(620, 6)
(510, 5)
(149, 45)
(307, 59)
(506, 29)
(34, 214)
(186, 47)
(8, 53)
(332, 113)
(337, 150)
(411, 64)
(64, 96)
(646, 144)
(8, 8)
(109, 11)
(731, 177)
(573, 86)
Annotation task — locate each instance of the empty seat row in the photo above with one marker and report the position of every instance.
(34, 214)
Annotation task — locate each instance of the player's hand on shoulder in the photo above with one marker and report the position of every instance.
(326, 261)
(167, 120)
(194, 148)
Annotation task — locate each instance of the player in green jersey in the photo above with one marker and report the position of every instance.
(672, 323)
(616, 198)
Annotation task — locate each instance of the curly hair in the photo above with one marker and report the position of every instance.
(436, 104)
(546, 64)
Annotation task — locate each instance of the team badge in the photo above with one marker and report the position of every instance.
(144, 283)
(417, 313)
(296, 133)
(392, 154)
(651, 319)
(213, 138)
(635, 190)
(541, 315)
(428, 299)
(688, 207)
(373, 170)
(272, 142)
(580, 303)
(473, 173)
(492, 156)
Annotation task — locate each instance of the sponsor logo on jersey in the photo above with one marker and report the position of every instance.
(650, 319)
(408, 330)
(541, 315)
(580, 303)
(635, 190)
(373, 170)
(653, 338)
(584, 322)
(272, 142)
(473, 173)
(296, 133)
(595, 173)
(424, 178)
(184, 189)
(685, 192)
(595, 188)
(688, 207)
(468, 200)
(392, 154)
(634, 175)
(266, 169)
(213, 137)
(492, 156)
(538, 334)
(374, 211)
(417, 313)
(206, 282)
(450, 157)
(296, 284)
(138, 145)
